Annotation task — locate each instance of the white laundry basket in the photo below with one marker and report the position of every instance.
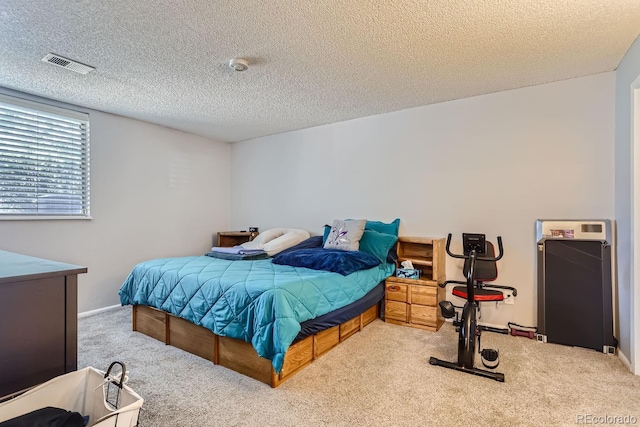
(105, 399)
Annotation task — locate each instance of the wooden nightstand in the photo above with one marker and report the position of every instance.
(414, 302)
(229, 239)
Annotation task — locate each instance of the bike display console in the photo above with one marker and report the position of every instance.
(575, 283)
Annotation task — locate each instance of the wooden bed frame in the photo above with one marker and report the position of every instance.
(238, 355)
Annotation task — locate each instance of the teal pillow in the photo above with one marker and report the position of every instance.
(327, 230)
(391, 228)
(377, 244)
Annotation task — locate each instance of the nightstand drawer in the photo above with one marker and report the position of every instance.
(424, 295)
(394, 310)
(423, 315)
(395, 291)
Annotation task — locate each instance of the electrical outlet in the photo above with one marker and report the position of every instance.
(508, 298)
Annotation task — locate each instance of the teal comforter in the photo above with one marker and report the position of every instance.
(255, 301)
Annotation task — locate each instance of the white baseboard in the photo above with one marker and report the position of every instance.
(624, 360)
(99, 310)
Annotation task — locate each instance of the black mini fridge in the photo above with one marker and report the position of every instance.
(575, 293)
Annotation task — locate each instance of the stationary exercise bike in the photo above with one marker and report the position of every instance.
(479, 267)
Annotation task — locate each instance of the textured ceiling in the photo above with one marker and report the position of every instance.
(311, 62)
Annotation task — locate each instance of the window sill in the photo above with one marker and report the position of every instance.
(41, 217)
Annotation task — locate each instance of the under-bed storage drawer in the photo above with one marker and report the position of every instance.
(349, 328)
(192, 338)
(325, 341)
(370, 315)
(298, 356)
(151, 321)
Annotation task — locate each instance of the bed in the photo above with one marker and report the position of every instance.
(264, 318)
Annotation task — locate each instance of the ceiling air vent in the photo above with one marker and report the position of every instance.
(67, 63)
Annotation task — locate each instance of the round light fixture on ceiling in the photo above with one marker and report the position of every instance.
(238, 64)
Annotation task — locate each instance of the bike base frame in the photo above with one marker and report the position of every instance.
(475, 371)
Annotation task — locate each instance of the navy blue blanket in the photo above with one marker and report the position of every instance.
(334, 260)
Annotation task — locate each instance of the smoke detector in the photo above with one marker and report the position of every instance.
(67, 63)
(238, 64)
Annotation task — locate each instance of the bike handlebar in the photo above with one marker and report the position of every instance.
(479, 258)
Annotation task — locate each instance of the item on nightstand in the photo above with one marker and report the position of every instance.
(254, 232)
(408, 273)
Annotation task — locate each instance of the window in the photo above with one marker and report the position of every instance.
(44, 161)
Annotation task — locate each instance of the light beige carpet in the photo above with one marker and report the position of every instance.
(380, 376)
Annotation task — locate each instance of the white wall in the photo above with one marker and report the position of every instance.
(627, 72)
(137, 213)
(491, 164)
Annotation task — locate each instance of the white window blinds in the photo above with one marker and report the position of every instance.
(44, 160)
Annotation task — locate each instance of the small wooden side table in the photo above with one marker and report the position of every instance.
(232, 238)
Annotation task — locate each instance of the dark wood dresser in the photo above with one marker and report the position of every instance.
(38, 320)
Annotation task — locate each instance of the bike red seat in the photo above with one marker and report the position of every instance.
(479, 294)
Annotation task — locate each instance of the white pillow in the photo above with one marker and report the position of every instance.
(345, 235)
(276, 240)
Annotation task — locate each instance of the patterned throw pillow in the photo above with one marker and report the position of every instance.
(345, 234)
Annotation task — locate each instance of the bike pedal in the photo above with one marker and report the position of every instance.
(490, 358)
